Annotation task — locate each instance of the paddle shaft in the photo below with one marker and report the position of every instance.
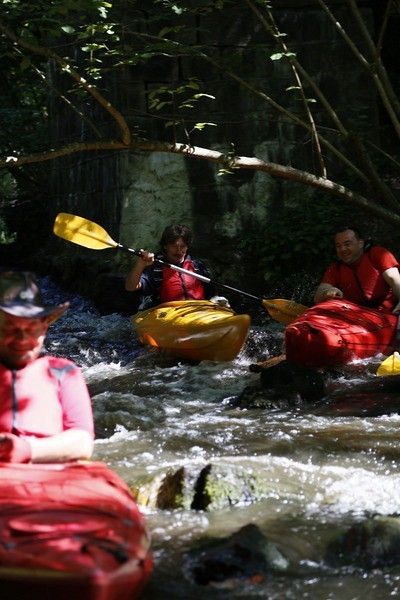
(191, 273)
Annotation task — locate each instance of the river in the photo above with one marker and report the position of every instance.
(326, 472)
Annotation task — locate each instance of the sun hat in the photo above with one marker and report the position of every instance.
(20, 297)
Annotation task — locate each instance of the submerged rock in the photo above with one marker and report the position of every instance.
(246, 556)
(371, 544)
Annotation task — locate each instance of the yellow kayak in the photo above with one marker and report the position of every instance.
(193, 329)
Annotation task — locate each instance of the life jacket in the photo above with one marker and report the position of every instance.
(363, 284)
(44, 398)
(179, 286)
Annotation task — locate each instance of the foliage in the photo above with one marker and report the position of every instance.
(290, 251)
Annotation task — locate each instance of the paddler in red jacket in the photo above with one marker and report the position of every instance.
(45, 408)
(160, 283)
(368, 276)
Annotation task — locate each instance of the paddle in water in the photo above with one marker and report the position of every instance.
(83, 232)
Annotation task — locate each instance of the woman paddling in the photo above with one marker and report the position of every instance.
(159, 283)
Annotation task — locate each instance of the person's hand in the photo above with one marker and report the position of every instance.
(146, 257)
(220, 301)
(14, 449)
(334, 293)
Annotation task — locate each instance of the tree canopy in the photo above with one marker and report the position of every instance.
(75, 49)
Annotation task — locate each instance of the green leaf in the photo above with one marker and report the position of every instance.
(193, 85)
(177, 10)
(196, 96)
(68, 29)
(280, 55)
(158, 105)
(224, 172)
(201, 126)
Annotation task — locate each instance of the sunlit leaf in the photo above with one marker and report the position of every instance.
(68, 29)
(201, 126)
(204, 96)
(177, 10)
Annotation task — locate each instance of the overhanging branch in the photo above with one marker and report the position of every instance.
(235, 162)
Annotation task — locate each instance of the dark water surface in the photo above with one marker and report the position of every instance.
(325, 472)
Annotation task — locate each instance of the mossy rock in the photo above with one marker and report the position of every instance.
(212, 487)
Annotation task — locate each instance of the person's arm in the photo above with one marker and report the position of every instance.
(70, 445)
(132, 281)
(325, 291)
(73, 444)
(392, 278)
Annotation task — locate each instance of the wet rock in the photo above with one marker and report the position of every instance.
(168, 491)
(244, 557)
(287, 377)
(257, 396)
(213, 487)
(165, 491)
(282, 385)
(221, 486)
(371, 544)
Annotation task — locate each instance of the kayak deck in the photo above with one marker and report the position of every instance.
(193, 329)
(70, 531)
(336, 332)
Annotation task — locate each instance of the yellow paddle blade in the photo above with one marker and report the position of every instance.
(390, 366)
(83, 232)
(284, 311)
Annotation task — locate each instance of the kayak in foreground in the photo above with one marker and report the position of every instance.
(193, 330)
(336, 332)
(70, 531)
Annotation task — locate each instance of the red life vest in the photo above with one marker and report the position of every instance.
(179, 286)
(363, 284)
(44, 398)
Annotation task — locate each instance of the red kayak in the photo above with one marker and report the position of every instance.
(336, 332)
(70, 531)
